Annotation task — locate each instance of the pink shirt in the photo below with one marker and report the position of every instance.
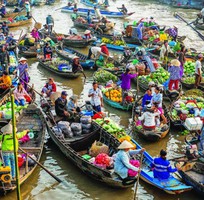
(20, 95)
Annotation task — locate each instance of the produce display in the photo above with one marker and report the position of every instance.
(109, 66)
(114, 129)
(189, 68)
(5, 110)
(114, 42)
(114, 94)
(190, 105)
(191, 80)
(17, 19)
(160, 76)
(31, 41)
(103, 76)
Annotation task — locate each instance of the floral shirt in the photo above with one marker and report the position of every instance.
(174, 72)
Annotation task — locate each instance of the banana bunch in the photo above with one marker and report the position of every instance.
(106, 40)
(119, 43)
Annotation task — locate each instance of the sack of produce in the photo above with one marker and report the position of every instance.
(97, 148)
(77, 133)
(85, 119)
(65, 127)
(86, 131)
(102, 160)
(86, 126)
(76, 127)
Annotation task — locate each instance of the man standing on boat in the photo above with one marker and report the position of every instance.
(97, 13)
(28, 9)
(198, 71)
(123, 10)
(96, 97)
(50, 23)
(161, 166)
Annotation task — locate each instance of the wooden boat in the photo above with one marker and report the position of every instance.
(39, 2)
(11, 14)
(193, 174)
(78, 43)
(30, 118)
(68, 54)
(75, 150)
(170, 186)
(19, 23)
(28, 52)
(197, 6)
(116, 104)
(191, 85)
(83, 11)
(92, 4)
(53, 68)
(155, 135)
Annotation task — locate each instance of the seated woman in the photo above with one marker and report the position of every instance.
(5, 82)
(49, 87)
(19, 95)
(157, 99)
(149, 118)
(87, 35)
(146, 99)
(72, 104)
(122, 165)
(35, 34)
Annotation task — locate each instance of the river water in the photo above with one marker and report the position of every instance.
(77, 185)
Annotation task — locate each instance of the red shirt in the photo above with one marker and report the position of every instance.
(104, 50)
(53, 87)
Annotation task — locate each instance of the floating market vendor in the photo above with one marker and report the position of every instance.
(28, 9)
(8, 147)
(47, 50)
(3, 54)
(146, 98)
(23, 72)
(61, 106)
(198, 71)
(161, 167)
(139, 31)
(122, 164)
(87, 35)
(97, 13)
(50, 23)
(157, 99)
(182, 59)
(5, 82)
(164, 52)
(104, 49)
(5, 28)
(49, 87)
(20, 94)
(3, 10)
(76, 66)
(35, 34)
(16, 9)
(72, 104)
(123, 9)
(126, 83)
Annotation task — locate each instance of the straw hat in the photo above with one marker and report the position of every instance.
(22, 59)
(87, 32)
(175, 62)
(151, 83)
(102, 44)
(8, 129)
(75, 57)
(125, 145)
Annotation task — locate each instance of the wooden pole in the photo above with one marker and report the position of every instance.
(138, 177)
(18, 191)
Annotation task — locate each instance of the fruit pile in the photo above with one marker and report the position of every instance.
(189, 67)
(110, 66)
(190, 80)
(114, 94)
(103, 76)
(160, 76)
(114, 42)
(114, 129)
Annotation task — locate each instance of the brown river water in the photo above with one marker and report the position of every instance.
(79, 186)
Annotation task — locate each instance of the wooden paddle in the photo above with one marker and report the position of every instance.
(138, 177)
(39, 164)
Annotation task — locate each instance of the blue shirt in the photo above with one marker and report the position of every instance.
(146, 98)
(162, 168)
(174, 72)
(71, 105)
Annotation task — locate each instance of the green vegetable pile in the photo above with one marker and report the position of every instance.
(103, 76)
(189, 68)
(190, 80)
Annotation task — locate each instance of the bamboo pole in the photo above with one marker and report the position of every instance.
(18, 191)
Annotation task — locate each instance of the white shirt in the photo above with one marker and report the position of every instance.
(202, 12)
(95, 50)
(149, 118)
(96, 98)
(198, 66)
(98, 13)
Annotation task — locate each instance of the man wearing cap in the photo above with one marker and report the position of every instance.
(161, 166)
(61, 106)
(7, 146)
(49, 87)
(28, 9)
(3, 10)
(198, 71)
(96, 97)
(47, 50)
(122, 163)
(50, 23)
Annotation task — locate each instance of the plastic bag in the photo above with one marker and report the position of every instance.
(86, 126)
(76, 127)
(65, 127)
(85, 119)
(97, 148)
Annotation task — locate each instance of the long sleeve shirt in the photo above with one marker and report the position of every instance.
(162, 168)
(20, 94)
(174, 72)
(6, 81)
(164, 51)
(126, 80)
(122, 162)
(7, 140)
(146, 98)
(60, 106)
(149, 118)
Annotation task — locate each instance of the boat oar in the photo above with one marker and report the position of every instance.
(39, 164)
(138, 177)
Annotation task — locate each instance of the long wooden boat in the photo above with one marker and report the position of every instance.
(191, 85)
(91, 4)
(75, 150)
(170, 186)
(187, 6)
(55, 70)
(68, 54)
(83, 11)
(30, 118)
(155, 135)
(11, 14)
(19, 23)
(199, 26)
(193, 174)
(30, 52)
(116, 104)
